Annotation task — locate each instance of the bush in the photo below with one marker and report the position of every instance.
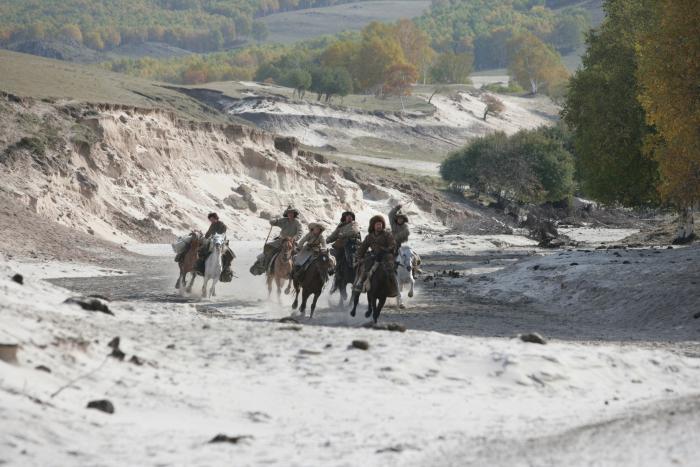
(530, 166)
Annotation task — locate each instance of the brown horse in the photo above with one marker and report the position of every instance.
(382, 285)
(282, 268)
(313, 281)
(188, 263)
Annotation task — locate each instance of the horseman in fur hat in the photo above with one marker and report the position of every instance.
(399, 225)
(343, 240)
(290, 228)
(382, 246)
(310, 247)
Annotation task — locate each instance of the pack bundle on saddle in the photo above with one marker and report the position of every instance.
(182, 245)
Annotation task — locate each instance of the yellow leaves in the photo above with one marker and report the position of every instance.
(669, 72)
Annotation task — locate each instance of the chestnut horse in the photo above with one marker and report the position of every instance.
(188, 263)
(281, 269)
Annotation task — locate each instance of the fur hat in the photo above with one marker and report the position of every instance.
(374, 220)
(399, 214)
(314, 225)
(347, 213)
(291, 209)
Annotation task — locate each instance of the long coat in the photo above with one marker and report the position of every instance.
(290, 229)
(310, 245)
(381, 243)
(217, 227)
(344, 232)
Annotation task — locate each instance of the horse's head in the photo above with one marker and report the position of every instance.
(216, 243)
(287, 247)
(406, 256)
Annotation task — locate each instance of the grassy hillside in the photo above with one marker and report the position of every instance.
(31, 76)
(300, 25)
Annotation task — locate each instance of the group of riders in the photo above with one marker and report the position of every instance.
(380, 245)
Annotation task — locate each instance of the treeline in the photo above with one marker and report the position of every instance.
(631, 117)
(383, 59)
(194, 25)
(483, 28)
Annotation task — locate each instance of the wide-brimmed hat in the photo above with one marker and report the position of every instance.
(345, 214)
(291, 209)
(374, 220)
(314, 225)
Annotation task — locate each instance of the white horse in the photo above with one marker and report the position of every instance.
(406, 261)
(213, 264)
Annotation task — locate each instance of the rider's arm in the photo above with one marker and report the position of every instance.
(334, 236)
(276, 222)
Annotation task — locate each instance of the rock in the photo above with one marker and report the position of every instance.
(103, 405)
(19, 278)
(360, 344)
(288, 319)
(265, 215)
(393, 327)
(236, 201)
(696, 315)
(136, 360)
(170, 346)
(221, 438)
(116, 351)
(8, 352)
(533, 338)
(309, 352)
(90, 304)
(43, 368)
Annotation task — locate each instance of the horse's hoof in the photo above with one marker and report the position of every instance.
(410, 294)
(368, 314)
(352, 313)
(402, 306)
(294, 306)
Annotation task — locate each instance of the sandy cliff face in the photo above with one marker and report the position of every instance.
(133, 174)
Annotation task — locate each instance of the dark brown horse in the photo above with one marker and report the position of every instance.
(345, 270)
(313, 281)
(382, 285)
(188, 263)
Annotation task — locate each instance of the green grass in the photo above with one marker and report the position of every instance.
(300, 25)
(42, 78)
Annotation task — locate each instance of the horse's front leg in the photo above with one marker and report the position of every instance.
(355, 301)
(189, 287)
(378, 308)
(304, 298)
(204, 287)
(212, 291)
(313, 304)
(296, 297)
(269, 286)
(413, 284)
(289, 287)
(370, 304)
(342, 290)
(280, 282)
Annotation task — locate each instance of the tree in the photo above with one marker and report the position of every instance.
(452, 68)
(299, 80)
(72, 32)
(533, 64)
(93, 40)
(260, 31)
(529, 166)
(375, 57)
(494, 105)
(607, 120)
(415, 44)
(399, 79)
(669, 70)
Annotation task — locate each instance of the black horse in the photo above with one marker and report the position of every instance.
(382, 286)
(312, 282)
(344, 269)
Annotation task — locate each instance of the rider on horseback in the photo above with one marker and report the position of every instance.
(348, 230)
(216, 227)
(383, 247)
(310, 248)
(399, 227)
(290, 228)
